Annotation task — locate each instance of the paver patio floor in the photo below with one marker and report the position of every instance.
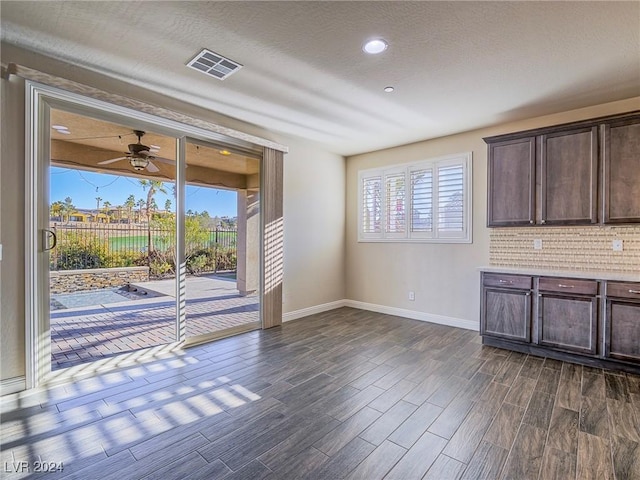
(85, 334)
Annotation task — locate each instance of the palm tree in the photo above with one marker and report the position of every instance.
(152, 187)
(154, 207)
(106, 206)
(167, 205)
(98, 200)
(141, 203)
(129, 204)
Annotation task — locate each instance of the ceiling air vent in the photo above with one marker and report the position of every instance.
(213, 64)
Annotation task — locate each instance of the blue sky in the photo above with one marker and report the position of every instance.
(84, 187)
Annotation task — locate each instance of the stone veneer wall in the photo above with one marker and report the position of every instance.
(69, 281)
(567, 248)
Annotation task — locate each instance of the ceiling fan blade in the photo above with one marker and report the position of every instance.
(162, 160)
(152, 168)
(113, 160)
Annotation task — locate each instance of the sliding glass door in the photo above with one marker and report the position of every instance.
(110, 236)
(222, 240)
(141, 239)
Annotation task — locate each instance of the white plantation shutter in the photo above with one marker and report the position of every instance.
(429, 201)
(451, 199)
(395, 201)
(421, 197)
(371, 220)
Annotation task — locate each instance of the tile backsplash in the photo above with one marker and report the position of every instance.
(567, 248)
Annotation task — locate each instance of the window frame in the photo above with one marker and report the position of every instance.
(436, 235)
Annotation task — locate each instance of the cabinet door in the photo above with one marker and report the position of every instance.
(511, 194)
(506, 314)
(567, 322)
(569, 171)
(622, 172)
(622, 330)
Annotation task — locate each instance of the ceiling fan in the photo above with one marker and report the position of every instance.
(139, 156)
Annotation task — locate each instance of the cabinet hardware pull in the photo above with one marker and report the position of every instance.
(543, 221)
(634, 291)
(509, 282)
(530, 221)
(562, 285)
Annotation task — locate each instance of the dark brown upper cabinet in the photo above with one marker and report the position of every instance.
(621, 155)
(512, 182)
(569, 177)
(573, 174)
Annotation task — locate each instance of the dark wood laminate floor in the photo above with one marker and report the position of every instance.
(343, 394)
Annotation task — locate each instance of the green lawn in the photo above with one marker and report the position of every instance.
(134, 242)
(139, 242)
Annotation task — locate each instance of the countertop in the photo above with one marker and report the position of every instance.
(591, 274)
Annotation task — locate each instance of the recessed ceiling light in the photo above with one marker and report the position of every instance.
(64, 132)
(377, 45)
(156, 147)
(389, 89)
(225, 152)
(59, 127)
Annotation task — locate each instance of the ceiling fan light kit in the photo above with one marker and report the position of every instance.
(138, 163)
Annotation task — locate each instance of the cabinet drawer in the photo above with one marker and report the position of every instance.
(506, 281)
(623, 290)
(568, 285)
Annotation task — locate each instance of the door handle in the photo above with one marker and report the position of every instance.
(47, 235)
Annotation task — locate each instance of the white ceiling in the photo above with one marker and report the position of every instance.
(455, 66)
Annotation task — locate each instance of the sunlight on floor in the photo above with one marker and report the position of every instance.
(111, 412)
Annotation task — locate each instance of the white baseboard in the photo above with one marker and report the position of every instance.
(12, 385)
(305, 312)
(425, 317)
(399, 312)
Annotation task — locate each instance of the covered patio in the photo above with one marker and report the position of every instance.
(92, 332)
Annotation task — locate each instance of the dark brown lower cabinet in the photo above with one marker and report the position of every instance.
(622, 322)
(593, 322)
(568, 314)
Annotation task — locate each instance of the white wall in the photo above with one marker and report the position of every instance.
(313, 204)
(314, 225)
(444, 276)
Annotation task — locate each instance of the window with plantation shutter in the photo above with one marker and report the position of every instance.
(428, 201)
(395, 197)
(421, 201)
(450, 199)
(371, 205)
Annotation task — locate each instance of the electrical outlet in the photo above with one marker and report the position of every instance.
(617, 245)
(412, 296)
(537, 244)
